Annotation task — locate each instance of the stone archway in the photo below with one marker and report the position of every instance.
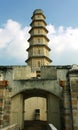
(53, 109)
(35, 109)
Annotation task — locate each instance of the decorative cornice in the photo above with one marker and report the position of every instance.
(38, 21)
(39, 45)
(39, 57)
(39, 27)
(38, 35)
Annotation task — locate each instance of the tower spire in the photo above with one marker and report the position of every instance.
(38, 51)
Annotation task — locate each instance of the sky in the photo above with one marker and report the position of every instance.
(62, 25)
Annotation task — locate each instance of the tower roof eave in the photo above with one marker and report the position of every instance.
(38, 11)
(38, 21)
(40, 45)
(38, 35)
(48, 59)
(39, 28)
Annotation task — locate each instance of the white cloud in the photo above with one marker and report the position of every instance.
(64, 45)
(13, 44)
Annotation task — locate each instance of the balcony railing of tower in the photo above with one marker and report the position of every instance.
(38, 35)
(39, 26)
(38, 55)
(40, 20)
(38, 17)
(38, 44)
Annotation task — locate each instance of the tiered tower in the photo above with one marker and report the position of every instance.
(38, 51)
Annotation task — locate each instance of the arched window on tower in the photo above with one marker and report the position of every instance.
(38, 16)
(38, 40)
(38, 51)
(38, 31)
(38, 23)
(39, 64)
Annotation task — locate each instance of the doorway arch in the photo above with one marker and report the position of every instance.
(52, 108)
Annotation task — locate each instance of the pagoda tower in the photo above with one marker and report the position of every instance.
(38, 51)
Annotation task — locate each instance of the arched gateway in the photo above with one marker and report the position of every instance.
(36, 103)
(35, 100)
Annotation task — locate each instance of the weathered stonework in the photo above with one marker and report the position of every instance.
(5, 104)
(56, 84)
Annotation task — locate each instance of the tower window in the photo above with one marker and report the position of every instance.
(38, 30)
(38, 23)
(38, 16)
(38, 40)
(38, 63)
(38, 51)
(38, 74)
(37, 111)
(37, 114)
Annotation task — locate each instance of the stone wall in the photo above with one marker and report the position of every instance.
(23, 81)
(16, 113)
(73, 75)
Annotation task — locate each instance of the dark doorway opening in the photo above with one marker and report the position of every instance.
(35, 125)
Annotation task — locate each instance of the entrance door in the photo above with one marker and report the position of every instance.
(35, 108)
